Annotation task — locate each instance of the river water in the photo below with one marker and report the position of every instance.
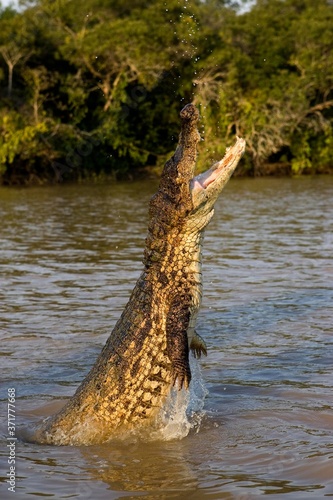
(69, 258)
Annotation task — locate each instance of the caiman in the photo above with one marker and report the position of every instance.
(147, 352)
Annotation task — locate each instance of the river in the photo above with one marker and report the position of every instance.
(69, 258)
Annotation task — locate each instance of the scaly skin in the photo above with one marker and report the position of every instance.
(148, 350)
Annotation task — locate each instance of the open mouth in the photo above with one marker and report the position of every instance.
(222, 170)
(203, 180)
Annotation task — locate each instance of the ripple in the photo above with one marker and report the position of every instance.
(69, 258)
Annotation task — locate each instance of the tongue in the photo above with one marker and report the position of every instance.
(203, 180)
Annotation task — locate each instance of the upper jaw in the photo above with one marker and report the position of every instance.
(207, 186)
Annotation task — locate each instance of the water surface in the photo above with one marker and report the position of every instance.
(69, 257)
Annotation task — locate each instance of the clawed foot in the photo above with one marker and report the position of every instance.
(198, 346)
(181, 376)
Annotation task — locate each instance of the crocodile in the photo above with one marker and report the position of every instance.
(148, 350)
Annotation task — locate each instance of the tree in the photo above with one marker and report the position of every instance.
(15, 43)
(94, 87)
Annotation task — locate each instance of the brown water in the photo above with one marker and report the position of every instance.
(69, 258)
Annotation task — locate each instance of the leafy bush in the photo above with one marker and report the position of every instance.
(93, 88)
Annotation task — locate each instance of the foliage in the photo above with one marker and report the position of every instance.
(94, 87)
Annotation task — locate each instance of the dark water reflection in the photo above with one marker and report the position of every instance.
(69, 258)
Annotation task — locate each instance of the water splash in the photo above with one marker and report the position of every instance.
(183, 410)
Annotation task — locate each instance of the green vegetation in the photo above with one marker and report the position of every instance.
(93, 88)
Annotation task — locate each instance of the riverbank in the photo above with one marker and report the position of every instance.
(91, 93)
(146, 173)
